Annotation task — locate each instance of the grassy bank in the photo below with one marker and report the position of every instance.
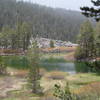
(78, 83)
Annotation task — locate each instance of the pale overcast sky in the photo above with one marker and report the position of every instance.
(67, 4)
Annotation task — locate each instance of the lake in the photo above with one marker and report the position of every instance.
(49, 65)
(69, 67)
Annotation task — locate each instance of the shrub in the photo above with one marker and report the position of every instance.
(51, 44)
(63, 94)
(88, 92)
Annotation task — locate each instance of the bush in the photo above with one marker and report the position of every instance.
(63, 94)
(89, 92)
(51, 44)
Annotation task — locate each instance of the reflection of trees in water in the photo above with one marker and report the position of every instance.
(65, 67)
(82, 67)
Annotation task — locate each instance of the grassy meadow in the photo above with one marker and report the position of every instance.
(17, 68)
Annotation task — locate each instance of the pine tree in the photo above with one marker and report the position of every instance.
(86, 42)
(18, 35)
(97, 38)
(34, 76)
(7, 37)
(26, 32)
(92, 11)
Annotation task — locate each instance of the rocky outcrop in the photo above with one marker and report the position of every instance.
(45, 43)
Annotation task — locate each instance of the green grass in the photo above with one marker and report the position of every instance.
(21, 95)
(82, 79)
(75, 82)
(11, 99)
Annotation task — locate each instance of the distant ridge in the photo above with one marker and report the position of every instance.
(60, 24)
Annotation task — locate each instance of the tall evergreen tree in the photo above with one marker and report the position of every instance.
(97, 38)
(86, 42)
(18, 35)
(7, 37)
(92, 11)
(34, 76)
(25, 35)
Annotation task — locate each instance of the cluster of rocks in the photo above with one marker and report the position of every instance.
(45, 43)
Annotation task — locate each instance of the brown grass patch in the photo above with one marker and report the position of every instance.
(42, 71)
(11, 51)
(88, 89)
(56, 75)
(70, 56)
(48, 98)
(16, 72)
(61, 49)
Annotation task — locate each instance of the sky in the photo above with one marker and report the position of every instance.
(67, 4)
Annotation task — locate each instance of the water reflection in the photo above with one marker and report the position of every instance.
(82, 67)
(65, 67)
(70, 67)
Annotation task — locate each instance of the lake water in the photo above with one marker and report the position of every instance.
(49, 65)
(65, 67)
(69, 67)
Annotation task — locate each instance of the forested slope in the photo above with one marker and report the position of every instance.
(46, 22)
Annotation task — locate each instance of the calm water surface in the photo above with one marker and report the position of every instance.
(65, 67)
(70, 67)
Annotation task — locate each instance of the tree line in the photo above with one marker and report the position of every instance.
(16, 38)
(42, 21)
(89, 39)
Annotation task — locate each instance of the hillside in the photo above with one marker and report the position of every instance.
(46, 22)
